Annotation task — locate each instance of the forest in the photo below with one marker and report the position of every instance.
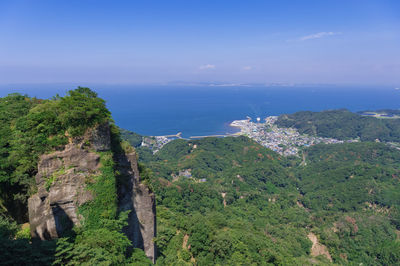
(343, 124)
(243, 204)
(220, 201)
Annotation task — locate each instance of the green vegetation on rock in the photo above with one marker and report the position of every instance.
(32, 127)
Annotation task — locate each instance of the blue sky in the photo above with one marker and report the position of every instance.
(123, 42)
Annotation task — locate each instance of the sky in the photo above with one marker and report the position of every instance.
(228, 41)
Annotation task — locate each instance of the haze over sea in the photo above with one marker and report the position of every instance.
(208, 110)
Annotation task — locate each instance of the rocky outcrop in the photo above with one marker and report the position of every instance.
(317, 248)
(61, 190)
(61, 182)
(140, 201)
(99, 137)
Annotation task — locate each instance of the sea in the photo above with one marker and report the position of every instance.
(208, 110)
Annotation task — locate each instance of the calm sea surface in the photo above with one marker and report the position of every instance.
(163, 110)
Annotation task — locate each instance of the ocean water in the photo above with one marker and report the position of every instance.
(199, 111)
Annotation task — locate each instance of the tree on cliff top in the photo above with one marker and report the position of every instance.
(31, 127)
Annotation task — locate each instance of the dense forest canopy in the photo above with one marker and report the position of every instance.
(342, 124)
(231, 201)
(220, 201)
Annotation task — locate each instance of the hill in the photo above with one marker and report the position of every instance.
(230, 201)
(70, 189)
(342, 124)
(220, 201)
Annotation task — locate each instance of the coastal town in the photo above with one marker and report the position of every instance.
(285, 141)
(155, 143)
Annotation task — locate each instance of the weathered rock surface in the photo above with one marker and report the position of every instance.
(140, 201)
(61, 190)
(61, 182)
(99, 137)
(317, 248)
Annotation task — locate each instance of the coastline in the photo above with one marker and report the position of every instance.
(239, 129)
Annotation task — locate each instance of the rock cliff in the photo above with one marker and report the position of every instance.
(61, 189)
(140, 201)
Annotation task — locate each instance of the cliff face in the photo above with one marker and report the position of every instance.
(61, 190)
(140, 201)
(61, 182)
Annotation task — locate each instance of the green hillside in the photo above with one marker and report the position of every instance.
(342, 124)
(220, 201)
(352, 192)
(347, 195)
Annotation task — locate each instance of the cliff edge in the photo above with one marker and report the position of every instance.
(137, 198)
(62, 180)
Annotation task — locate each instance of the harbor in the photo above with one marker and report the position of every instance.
(285, 141)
